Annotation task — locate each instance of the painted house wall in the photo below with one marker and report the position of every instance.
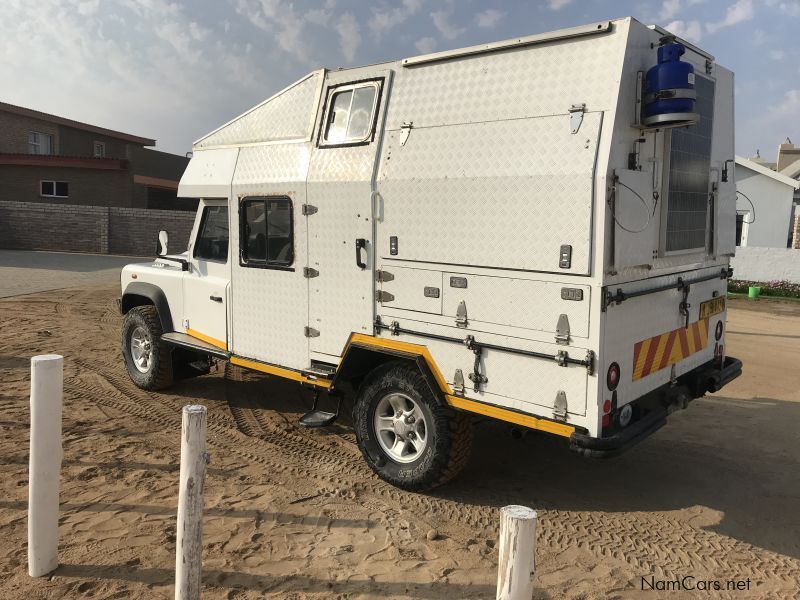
(773, 207)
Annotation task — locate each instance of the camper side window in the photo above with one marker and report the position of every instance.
(266, 232)
(351, 113)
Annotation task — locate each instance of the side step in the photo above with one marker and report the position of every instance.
(183, 340)
(320, 418)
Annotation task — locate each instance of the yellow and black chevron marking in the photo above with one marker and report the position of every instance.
(661, 351)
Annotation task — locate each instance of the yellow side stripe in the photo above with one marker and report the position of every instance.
(510, 416)
(207, 338)
(402, 347)
(279, 371)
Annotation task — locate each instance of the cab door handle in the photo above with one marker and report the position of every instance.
(216, 298)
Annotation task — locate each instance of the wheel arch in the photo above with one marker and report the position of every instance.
(363, 354)
(139, 293)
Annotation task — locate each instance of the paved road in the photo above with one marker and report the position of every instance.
(27, 272)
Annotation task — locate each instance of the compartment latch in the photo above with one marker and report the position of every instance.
(562, 330)
(560, 406)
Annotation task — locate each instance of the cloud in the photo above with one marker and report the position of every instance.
(441, 20)
(738, 12)
(557, 4)
(777, 54)
(669, 10)
(789, 106)
(385, 19)
(425, 45)
(349, 35)
(691, 31)
(489, 18)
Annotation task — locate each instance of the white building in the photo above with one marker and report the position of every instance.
(763, 205)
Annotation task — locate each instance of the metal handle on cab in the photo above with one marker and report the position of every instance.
(216, 298)
(361, 244)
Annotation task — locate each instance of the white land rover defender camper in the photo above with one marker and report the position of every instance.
(536, 230)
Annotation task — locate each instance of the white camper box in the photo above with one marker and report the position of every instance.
(496, 223)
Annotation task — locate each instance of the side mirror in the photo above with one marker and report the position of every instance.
(163, 241)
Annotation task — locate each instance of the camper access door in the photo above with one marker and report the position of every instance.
(341, 181)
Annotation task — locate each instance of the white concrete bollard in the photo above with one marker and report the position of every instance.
(47, 389)
(517, 553)
(189, 542)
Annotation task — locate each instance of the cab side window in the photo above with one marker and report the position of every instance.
(212, 237)
(267, 235)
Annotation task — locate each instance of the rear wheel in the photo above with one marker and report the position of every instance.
(408, 436)
(147, 358)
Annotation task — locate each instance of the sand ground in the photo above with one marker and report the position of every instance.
(292, 513)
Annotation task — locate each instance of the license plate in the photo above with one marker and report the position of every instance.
(712, 307)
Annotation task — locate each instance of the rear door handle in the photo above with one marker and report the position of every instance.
(216, 299)
(361, 244)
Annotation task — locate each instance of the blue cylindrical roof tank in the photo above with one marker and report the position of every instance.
(666, 80)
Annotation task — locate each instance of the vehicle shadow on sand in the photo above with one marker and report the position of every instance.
(729, 466)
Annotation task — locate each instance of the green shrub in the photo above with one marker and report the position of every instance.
(785, 289)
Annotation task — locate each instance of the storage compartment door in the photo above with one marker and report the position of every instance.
(504, 194)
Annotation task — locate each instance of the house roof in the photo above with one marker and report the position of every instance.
(762, 170)
(793, 170)
(35, 114)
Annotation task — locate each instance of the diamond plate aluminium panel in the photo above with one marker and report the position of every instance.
(503, 194)
(515, 381)
(288, 115)
(269, 307)
(516, 303)
(521, 82)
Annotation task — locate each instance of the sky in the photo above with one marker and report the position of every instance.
(175, 70)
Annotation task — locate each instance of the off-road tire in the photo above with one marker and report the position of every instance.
(159, 375)
(449, 432)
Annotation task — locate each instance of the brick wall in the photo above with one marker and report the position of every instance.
(77, 228)
(14, 130)
(796, 232)
(86, 186)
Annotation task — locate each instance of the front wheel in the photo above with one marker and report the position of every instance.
(408, 436)
(147, 358)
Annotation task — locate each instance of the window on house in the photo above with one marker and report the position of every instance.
(99, 149)
(212, 237)
(266, 232)
(351, 113)
(40, 143)
(54, 189)
(739, 227)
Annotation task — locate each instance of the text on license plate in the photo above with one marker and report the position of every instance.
(712, 307)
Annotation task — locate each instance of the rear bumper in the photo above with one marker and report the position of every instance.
(709, 377)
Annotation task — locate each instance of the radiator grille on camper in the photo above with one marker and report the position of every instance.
(689, 163)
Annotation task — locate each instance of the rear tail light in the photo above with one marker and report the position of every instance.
(612, 377)
(718, 331)
(606, 407)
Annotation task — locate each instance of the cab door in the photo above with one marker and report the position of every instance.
(206, 283)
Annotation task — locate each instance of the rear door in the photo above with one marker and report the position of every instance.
(205, 285)
(340, 187)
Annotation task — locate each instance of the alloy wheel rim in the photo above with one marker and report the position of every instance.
(400, 427)
(141, 349)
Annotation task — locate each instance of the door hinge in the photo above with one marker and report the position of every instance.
(458, 383)
(310, 332)
(576, 117)
(405, 131)
(309, 209)
(562, 330)
(308, 272)
(461, 315)
(560, 406)
(383, 276)
(381, 296)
